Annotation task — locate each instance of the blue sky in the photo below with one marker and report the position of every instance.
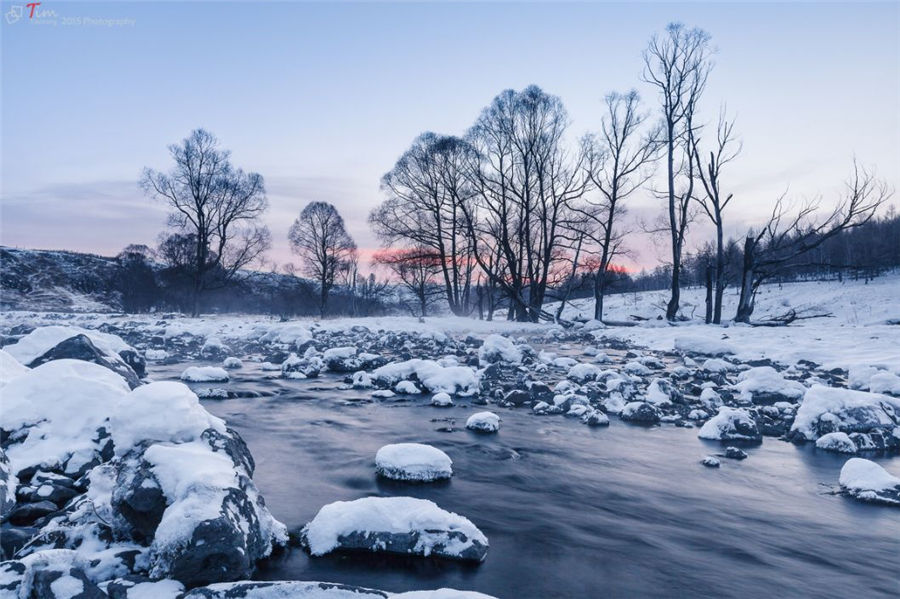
(322, 98)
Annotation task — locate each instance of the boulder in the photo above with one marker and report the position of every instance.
(731, 424)
(285, 589)
(641, 412)
(80, 347)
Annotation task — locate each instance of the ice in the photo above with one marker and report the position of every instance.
(413, 461)
(204, 374)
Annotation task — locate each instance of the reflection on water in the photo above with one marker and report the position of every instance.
(570, 511)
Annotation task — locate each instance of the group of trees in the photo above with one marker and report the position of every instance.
(513, 213)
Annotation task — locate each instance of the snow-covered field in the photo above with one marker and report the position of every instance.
(111, 480)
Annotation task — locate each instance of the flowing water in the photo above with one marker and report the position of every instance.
(570, 511)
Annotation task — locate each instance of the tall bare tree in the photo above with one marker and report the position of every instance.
(791, 233)
(714, 201)
(217, 204)
(678, 64)
(619, 164)
(426, 191)
(319, 237)
(417, 269)
(524, 181)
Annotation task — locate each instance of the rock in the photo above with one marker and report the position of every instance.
(8, 484)
(518, 397)
(838, 442)
(483, 422)
(204, 374)
(710, 462)
(27, 513)
(541, 392)
(286, 589)
(232, 363)
(79, 347)
(71, 584)
(733, 453)
(403, 525)
(640, 411)
(413, 462)
(867, 481)
(135, 361)
(829, 410)
(595, 418)
(13, 538)
(731, 424)
(137, 496)
(134, 586)
(442, 400)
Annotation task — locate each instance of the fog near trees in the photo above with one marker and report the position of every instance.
(516, 213)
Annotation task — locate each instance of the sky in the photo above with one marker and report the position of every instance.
(321, 99)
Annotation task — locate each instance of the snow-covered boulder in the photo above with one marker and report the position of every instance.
(460, 380)
(876, 380)
(413, 462)
(867, 481)
(497, 348)
(766, 386)
(662, 392)
(56, 415)
(283, 589)
(306, 367)
(10, 368)
(8, 484)
(80, 347)
(442, 400)
(232, 363)
(829, 409)
(205, 374)
(838, 442)
(348, 359)
(703, 345)
(731, 424)
(402, 525)
(640, 411)
(483, 422)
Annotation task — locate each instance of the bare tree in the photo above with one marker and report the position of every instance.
(417, 270)
(319, 237)
(619, 164)
(714, 201)
(524, 182)
(789, 233)
(427, 189)
(678, 64)
(218, 205)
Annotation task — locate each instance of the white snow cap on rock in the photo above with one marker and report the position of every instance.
(484, 422)
(164, 411)
(413, 461)
(441, 594)
(765, 379)
(866, 480)
(65, 402)
(10, 368)
(204, 374)
(496, 348)
(442, 400)
(841, 407)
(435, 378)
(722, 425)
(395, 515)
(839, 442)
(38, 342)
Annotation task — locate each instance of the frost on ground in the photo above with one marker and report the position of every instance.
(413, 462)
(867, 481)
(395, 525)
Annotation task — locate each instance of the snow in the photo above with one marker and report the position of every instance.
(65, 402)
(499, 348)
(484, 422)
(159, 589)
(212, 344)
(839, 442)
(441, 594)
(339, 353)
(435, 378)
(868, 481)
(204, 374)
(232, 362)
(723, 425)
(395, 515)
(66, 587)
(161, 411)
(10, 368)
(442, 400)
(38, 342)
(156, 355)
(765, 379)
(844, 409)
(874, 379)
(413, 461)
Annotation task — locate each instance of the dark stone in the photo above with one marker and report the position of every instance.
(541, 392)
(13, 538)
(518, 397)
(135, 361)
(11, 576)
(645, 413)
(282, 588)
(42, 585)
(734, 453)
(28, 513)
(79, 347)
(406, 544)
(137, 497)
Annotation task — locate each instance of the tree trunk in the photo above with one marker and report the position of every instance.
(323, 305)
(599, 292)
(674, 300)
(709, 293)
(720, 272)
(745, 303)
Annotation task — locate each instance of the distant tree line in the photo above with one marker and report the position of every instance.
(511, 216)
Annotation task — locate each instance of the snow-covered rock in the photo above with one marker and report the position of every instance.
(483, 422)
(413, 462)
(395, 525)
(867, 481)
(442, 400)
(640, 411)
(838, 442)
(876, 380)
(10, 368)
(283, 589)
(204, 374)
(829, 409)
(731, 424)
(232, 363)
(765, 385)
(460, 380)
(497, 348)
